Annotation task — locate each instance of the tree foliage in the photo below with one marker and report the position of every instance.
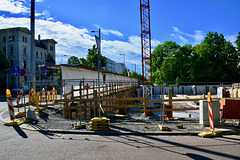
(238, 41)
(91, 60)
(125, 71)
(73, 60)
(214, 60)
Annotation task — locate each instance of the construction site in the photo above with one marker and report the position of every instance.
(90, 99)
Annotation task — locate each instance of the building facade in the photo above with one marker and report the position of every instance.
(119, 68)
(15, 44)
(110, 66)
(114, 67)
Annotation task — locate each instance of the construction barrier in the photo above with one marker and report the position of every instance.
(99, 124)
(210, 112)
(52, 95)
(10, 105)
(19, 96)
(43, 96)
(32, 96)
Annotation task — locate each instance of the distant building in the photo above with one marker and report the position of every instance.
(114, 67)
(110, 66)
(119, 68)
(17, 41)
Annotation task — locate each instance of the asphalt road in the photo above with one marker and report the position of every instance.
(16, 143)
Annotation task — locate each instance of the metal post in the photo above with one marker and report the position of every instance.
(7, 59)
(99, 68)
(163, 103)
(32, 59)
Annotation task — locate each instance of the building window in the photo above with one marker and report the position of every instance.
(11, 38)
(25, 78)
(25, 64)
(11, 50)
(12, 63)
(36, 66)
(36, 54)
(4, 39)
(45, 55)
(41, 54)
(37, 78)
(22, 38)
(51, 48)
(26, 39)
(25, 51)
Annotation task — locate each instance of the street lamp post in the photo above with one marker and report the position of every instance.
(62, 58)
(99, 68)
(7, 58)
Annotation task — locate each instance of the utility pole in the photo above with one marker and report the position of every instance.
(32, 57)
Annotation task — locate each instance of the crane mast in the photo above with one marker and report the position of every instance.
(146, 42)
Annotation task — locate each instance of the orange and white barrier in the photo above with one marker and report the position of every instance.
(210, 112)
(19, 96)
(10, 105)
(32, 96)
(43, 96)
(52, 95)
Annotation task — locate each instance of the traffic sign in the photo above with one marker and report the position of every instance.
(44, 76)
(22, 72)
(16, 71)
(44, 70)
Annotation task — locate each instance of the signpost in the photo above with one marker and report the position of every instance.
(16, 71)
(22, 72)
(44, 71)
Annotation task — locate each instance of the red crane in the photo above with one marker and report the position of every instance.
(146, 42)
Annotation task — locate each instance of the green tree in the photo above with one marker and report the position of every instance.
(216, 60)
(59, 75)
(83, 61)
(125, 71)
(73, 60)
(176, 66)
(238, 41)
(92, 58)
(159, 54)
(136, 75)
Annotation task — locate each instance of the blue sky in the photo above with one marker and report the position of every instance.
(70, 23)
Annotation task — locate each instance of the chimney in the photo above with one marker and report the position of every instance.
(39, 37)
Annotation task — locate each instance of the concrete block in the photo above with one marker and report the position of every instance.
(204, 117)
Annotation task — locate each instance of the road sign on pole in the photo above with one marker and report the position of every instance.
(44, 70)
(16, 71)
(22, 72)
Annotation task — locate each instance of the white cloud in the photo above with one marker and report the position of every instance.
(109, 31)
(182, 39)
(72, 41)
(196, 38)
(14, 6)
(231, 38)
(39, 1)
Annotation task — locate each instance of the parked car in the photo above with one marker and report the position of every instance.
(26, 89)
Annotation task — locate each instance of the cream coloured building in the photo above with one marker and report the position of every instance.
(16, 42)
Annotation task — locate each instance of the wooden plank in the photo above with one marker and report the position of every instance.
(180, 100)
(126, 106)
(173, 109)
(122, 99)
